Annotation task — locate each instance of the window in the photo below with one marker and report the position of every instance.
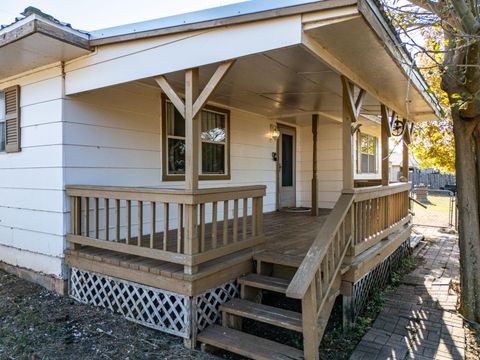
(367, 154)
(213, 152)
(2, 121)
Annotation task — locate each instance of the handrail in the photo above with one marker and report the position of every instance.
(311, 263)
(373, 192)
(190, 197)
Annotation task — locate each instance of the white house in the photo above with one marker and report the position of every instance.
(167, 127)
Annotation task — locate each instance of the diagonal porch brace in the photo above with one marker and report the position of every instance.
(354, 105)
(212, 84)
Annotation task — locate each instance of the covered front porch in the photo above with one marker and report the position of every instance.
(165, 231)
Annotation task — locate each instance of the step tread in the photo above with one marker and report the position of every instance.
(247, 345)
(267, 314)
(265, 282)
(280, 259)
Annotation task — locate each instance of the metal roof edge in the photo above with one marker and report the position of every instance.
(218, 16)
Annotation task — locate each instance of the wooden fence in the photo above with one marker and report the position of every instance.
(433, 181)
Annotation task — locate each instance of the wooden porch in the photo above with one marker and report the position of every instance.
(218, 236)
(286, 234)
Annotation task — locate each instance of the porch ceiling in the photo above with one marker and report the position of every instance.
(288, 84)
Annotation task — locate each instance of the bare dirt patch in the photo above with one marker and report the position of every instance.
(38, 324)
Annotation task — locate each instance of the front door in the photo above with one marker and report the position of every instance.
(286, 167)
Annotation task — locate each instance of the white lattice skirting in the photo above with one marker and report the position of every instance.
(156, 308)
(378, 277)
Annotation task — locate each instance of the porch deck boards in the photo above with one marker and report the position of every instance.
(287, 233)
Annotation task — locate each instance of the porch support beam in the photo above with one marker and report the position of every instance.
(406, 139)
(349, 111)
(386, 133)
(405, 162)
(171, 93)
(192, 129)
(314, 166)
(212, 84)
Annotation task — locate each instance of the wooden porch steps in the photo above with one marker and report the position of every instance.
(267, 314)
(273, 257)
(247, 345)
(265, 282)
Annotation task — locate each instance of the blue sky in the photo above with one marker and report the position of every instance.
(98, 14)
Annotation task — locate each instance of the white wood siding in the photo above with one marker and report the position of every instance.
(31, 182)
(329, 164)
(113, 137)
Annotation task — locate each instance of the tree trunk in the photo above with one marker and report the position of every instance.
(467, 145)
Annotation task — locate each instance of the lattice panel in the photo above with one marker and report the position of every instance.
(207, 304)
(377, 277)
(155, 308)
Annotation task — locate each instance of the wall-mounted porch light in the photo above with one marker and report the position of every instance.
(274, 133)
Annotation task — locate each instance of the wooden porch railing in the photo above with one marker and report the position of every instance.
(359, 219)
(177, 226)
(379, 211)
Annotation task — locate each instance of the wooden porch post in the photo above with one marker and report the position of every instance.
(405, 161)
(192, 130)
(314, 166)
(386, 133)
(347, 145)
(351, 110)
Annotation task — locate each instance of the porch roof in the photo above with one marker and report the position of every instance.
(312, 41)
(38, 40)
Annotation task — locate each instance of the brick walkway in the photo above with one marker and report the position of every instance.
(418, 320)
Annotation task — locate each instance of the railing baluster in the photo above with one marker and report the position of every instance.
(117, 220)
(96, 216)
(179, 228)
(225, 222)
(166, 217)
(235, 220)
(107, 219)
(140, 223)
(244, 218)
(214, 224)
(87, 216)
(128, 235)
(153, 223)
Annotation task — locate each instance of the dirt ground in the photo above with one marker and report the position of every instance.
(38, 324)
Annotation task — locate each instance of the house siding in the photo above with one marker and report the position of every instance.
(31, 182)
(113, 137)
(329, 165)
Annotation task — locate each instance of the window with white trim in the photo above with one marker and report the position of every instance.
(367, 154)
(213, 152)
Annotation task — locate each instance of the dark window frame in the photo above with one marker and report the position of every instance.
(180, 177)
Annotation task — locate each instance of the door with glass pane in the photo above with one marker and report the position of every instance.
(286, 167)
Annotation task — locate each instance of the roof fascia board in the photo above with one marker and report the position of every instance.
(232, 20)
(330, 16)
(379, 25)
(219, 44)
(35, 24)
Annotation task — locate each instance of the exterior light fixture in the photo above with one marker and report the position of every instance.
(274, 133)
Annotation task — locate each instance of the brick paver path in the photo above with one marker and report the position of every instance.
(419, 320)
